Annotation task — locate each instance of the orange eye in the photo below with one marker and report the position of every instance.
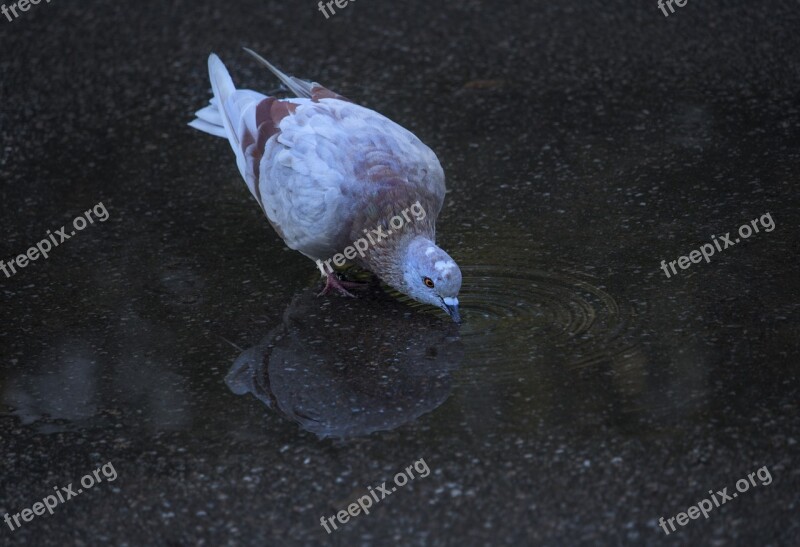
(428, 282)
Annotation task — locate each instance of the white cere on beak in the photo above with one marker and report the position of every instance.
(444, 266)
(451, 301)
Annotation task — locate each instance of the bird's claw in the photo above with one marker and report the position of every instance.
(333, 283)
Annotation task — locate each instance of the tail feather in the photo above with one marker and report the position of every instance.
(223, 87)
(211, 115)
(229, 115)
(214, 129)
(301, 88)
(246, 118)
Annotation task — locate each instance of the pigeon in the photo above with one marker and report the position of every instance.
(333, 177)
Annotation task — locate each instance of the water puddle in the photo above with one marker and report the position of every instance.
(348, 367)
(517, 311)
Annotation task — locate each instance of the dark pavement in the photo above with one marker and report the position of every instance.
(585, 396)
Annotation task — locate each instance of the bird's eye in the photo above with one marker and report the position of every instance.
(428, 282)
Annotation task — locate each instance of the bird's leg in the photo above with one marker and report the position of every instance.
(334, 283)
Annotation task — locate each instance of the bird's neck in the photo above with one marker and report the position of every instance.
(387, 261)
(392, 223)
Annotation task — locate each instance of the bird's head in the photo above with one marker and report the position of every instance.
(431, 276)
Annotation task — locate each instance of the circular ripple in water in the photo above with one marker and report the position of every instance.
(508, 311)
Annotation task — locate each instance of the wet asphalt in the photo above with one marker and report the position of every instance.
(587, 394)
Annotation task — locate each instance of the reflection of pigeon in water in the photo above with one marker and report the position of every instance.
(374, 371)
(332, 176)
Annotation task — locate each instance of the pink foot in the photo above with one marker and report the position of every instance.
(334, 283)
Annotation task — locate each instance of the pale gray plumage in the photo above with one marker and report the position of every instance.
(324, 169)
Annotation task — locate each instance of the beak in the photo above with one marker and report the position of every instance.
(451, 307)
